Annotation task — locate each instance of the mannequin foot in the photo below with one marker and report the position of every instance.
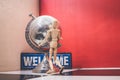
(61, 69)
(50, 71)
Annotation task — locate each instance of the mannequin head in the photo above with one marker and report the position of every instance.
(55, 24)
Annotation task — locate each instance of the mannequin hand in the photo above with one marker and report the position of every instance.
(39, 45)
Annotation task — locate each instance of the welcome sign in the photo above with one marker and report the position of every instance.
(31, 60)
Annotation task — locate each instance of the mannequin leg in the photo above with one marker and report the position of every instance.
(56, 61)
(55, 53)
(50, 59)
(50, 62)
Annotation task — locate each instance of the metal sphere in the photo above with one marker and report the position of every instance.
(36, 31)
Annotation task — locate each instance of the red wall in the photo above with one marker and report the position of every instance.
(90, 28)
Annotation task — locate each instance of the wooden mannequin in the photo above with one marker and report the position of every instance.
(54, 35)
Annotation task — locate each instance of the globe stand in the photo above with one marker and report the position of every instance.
(42, 67)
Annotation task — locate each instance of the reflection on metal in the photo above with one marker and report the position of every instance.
(36, 31)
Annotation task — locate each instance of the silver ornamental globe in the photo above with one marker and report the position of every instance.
(36, 31)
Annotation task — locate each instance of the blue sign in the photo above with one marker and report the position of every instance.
(31, 60)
